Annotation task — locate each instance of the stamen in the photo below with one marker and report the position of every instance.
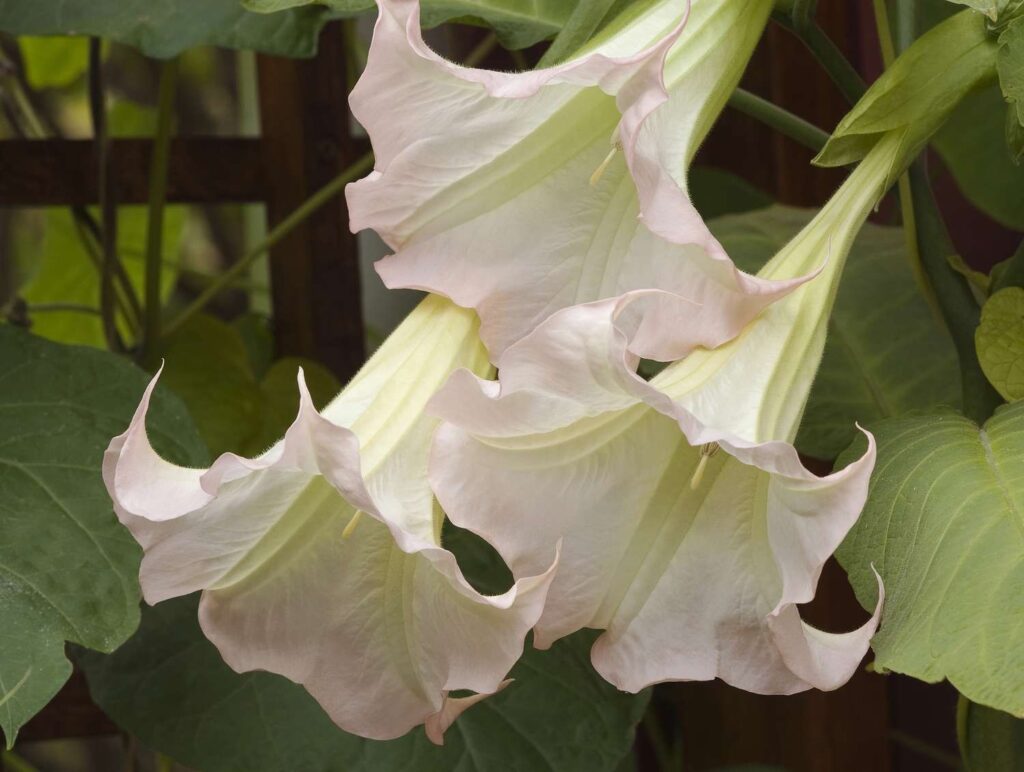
(603, 167)
(352, 524)
(706, 452)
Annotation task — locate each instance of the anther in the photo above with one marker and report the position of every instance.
(352, 524)
(603, 167)
(706, 452)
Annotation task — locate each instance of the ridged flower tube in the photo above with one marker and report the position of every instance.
(321, 559)
(689, 529)
(519, 194)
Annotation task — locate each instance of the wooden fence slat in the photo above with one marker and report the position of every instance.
(63, 171)
(317, 306)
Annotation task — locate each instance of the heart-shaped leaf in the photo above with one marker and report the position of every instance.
(944, 527)
(67, 568)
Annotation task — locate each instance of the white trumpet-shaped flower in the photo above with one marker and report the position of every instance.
(690, 530)
(321, 559)
(518, 194)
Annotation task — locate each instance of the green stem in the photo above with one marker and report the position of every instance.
(783, 121)
(955, 301)
(925, 749)
(481, 50)
(75, 308)
(108, 206)
(886, 43)
(282, 229)
(164, 763)
(157, 200)
(837, 66)
(12, 762)
(963, 708)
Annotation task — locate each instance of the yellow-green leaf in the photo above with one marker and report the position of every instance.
(1000, 342)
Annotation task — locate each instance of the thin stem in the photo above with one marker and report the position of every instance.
(12, 762)
(885, 42)
(955, 300)
(783, 121)
(164, 763)
(157, 200)
(927, 750)
(663, 751)
(75, 308)
(481, 50)
(837, 66)
(963, 709)
(108, 206)
(282, 229)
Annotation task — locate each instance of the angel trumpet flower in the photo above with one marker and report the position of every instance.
(321, 559)
(518, 194)
(690, 530)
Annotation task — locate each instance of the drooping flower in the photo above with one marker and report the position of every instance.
(321, 559)
(690, 530)
(518, 194)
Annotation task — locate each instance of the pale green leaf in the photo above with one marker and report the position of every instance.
(67, 568)
(1000, 342)
(168, 27)
(64, 272)
(994, 740)
(944, 527)
(53, 62)
(867, 372)
(908, 97)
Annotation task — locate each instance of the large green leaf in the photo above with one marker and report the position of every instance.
(518, 23)
(944, 527)
(169, 687)
(166, 28)
(973, 145)
(1000, 342)
(66, 274)
(867, 373)
(1011, 66)
(210, 365)
(994, 740)
(67, 568)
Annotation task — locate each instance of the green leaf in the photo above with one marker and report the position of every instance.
(867, 372)
(580, 27)
(279, 399)
(995, 740)
(1000, 342)
(518, 23)
(169, 687)
(1010, 62)
(67, 568)
(207, 365)
(166, 28)
(716, 193)
(65, 273)
(908, 97)
(944, 527)
(973, 146)
(53, 62)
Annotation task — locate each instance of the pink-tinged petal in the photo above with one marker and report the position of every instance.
(482, 184)
(321, 559)
(692, 567)
(453, 707)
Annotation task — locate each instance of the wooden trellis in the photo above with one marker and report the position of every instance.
(305, 142)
